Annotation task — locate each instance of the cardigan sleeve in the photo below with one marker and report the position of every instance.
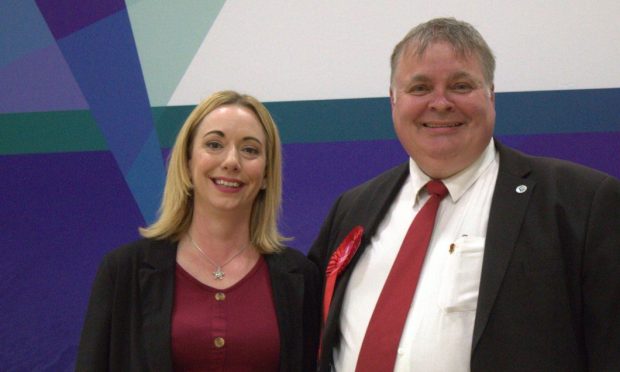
(94, 348)
(312, 316)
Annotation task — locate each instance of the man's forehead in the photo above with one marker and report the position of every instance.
(412, 57)
(417, 50)
(455, 75)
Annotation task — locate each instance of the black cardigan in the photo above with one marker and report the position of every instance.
(128, 322)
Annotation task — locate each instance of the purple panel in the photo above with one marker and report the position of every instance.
(316, 174)
(596, 150)
(40, 81)
(64, 17)
(60, 213)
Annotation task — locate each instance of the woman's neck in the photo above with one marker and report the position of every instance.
(219, 235)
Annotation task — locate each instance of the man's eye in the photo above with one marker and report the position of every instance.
(419, 89)
(462, 87)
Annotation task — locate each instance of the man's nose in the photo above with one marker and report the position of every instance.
(440, 101)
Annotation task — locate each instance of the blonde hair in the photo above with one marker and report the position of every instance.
(175, 212)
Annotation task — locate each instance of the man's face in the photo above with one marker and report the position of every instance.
(443, 110)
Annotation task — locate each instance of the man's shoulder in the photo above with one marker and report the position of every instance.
(549, 168)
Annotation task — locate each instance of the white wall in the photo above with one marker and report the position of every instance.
(306, 50)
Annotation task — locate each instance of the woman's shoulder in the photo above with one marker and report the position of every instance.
(142, 250)
(290, 254)
(291, 258)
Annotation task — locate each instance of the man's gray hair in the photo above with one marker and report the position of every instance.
(465, 39)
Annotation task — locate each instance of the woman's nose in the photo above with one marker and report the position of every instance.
(231, 160)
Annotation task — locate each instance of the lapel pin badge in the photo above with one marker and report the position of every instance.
(521, 189)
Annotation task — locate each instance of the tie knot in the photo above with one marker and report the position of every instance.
(436, 187)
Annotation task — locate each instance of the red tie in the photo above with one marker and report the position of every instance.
(378, 352)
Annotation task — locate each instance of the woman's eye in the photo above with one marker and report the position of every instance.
(213, 145)
(251, 150)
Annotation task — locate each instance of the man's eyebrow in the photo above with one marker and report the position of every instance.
(419, 78)
(461, 75)
(456, 75)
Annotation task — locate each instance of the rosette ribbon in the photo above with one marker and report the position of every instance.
(338, 262)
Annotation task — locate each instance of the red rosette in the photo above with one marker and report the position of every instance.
(338, 262)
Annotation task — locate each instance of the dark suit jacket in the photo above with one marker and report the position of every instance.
(549, 297)
(128, 323)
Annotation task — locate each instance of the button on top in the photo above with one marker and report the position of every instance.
(219, 342)
(219, 296)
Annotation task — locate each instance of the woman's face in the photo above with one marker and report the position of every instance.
(228, 160)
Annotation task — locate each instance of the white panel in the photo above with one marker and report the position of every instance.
(319, 49)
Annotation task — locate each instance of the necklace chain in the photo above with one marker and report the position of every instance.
(218, 274)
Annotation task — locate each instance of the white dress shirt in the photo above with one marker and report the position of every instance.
(438, 332)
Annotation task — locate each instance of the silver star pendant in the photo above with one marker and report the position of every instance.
(218, 274)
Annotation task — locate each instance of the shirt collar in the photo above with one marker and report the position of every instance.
(458, 183)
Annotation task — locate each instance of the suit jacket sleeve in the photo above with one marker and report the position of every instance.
(601, 279)
(549, 294)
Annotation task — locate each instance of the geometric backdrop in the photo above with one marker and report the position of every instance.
(94, 92)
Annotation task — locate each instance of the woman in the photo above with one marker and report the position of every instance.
(210, 287)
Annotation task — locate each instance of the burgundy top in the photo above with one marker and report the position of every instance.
(233, 329)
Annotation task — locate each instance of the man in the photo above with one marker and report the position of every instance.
(522, 272)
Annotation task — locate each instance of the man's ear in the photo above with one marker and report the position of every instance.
(392, 97)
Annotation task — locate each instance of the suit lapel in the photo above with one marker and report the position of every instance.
(508, 208)
(506, 217)
(156, 275)
(368, 213)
